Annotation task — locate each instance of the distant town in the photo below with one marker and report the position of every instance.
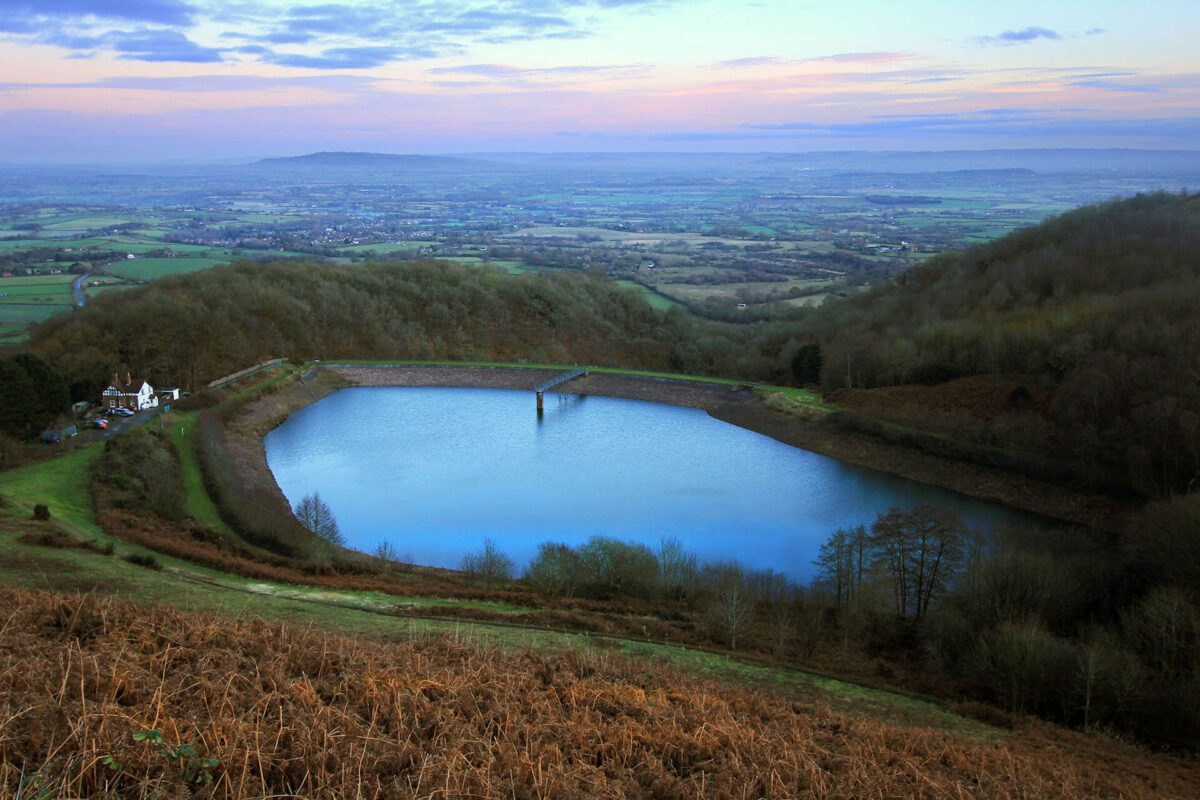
(727, 237)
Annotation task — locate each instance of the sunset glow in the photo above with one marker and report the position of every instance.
(166, 79)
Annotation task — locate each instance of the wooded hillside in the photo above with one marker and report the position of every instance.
(190, 329)
(1098, 305)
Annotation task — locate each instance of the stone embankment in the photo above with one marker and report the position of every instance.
(694, 394)
(737, 406)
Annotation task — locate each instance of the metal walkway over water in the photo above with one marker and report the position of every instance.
(556, 381)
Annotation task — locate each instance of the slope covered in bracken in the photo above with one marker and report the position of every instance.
(250, 709)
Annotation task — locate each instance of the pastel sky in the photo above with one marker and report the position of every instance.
(139, 80)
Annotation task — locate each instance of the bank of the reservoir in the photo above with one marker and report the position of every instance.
(726, 401)
(690, 393)
(739, 406)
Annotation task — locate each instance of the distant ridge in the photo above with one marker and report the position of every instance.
(344, 160)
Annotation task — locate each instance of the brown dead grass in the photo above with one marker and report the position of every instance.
(962, 404)
(51, 537)
(290, 712)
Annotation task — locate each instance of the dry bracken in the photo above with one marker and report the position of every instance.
(251, 709)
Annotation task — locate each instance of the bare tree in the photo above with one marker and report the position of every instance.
(676, 567)
(810, 612)
(386, 552)
(1164, 629)
(315, 514)
(732, 612)
(779, 598)
(842, 564)
(920, 550)
(1108, 680)
(489, 564)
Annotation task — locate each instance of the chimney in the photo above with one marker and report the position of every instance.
(114, 380)
(128, 379)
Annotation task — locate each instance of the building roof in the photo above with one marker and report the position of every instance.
(127, 386)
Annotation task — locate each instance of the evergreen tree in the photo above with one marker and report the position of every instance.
(19, 408)
(807, 363)
(49, 387)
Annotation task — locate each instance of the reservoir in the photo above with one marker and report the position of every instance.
(435, 471)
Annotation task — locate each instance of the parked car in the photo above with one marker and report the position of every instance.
(101, 423)
(50, 437)
(124, 412)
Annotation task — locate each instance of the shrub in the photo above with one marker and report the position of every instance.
(141, 560)
(555, 570)
(612, 568)
(987, 714)
(1025, 669)
(41, 512)
(257, 515)
(141, 470)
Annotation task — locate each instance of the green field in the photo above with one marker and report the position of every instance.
(607, 238)
(12, 284)
(735, 292)
(151, 268)
(261, 218)
(511, 267)
(384, 248)
(79, 245)
(32, 299)
(85, 248)
(138, 247)
(85, 222)
(94, 291)
(655, 299)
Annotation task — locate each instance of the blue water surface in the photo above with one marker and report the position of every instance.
(436, 470)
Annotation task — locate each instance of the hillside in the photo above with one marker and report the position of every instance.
(186, 680)
(190, 329)
(359, 161)
(1088, 319)
(200, 706)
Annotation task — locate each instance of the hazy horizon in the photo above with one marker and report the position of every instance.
(485, 155)
(110, 81)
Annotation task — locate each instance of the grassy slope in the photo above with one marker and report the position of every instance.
(62, 484)
(199, 505)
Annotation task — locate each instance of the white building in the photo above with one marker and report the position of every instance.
(134, 395)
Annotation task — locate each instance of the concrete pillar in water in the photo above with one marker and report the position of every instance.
(539, 395)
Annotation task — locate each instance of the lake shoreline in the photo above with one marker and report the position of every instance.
(741, 408)
(738, 406)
